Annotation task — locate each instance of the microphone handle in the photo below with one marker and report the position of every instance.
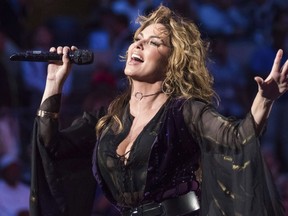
(48, 56)
(37, 56)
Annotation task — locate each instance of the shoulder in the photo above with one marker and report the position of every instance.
(190, 104)
(193, 109)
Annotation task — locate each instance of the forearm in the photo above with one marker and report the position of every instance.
(218, 133)
(78, 139)
(51, 89)
(48, 118)
(260, 110)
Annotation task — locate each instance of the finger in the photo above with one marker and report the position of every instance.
(277, 61)
(66, 49)
(258, 79)
(74, 48)
(59, 49)
(52, 49)
(65, 57)
(284, 72)
(285, 69)
(276, 65)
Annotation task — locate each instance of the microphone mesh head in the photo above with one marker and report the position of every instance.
(82, 57)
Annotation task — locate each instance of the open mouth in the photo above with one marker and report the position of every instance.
(137, 58)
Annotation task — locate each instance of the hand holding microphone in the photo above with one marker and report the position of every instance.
(57, 73)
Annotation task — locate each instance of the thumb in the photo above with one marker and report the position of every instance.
(259, 81)
(65, 58)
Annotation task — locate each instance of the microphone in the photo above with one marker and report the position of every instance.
(79, 57)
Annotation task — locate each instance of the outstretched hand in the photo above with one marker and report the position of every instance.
(276, 83)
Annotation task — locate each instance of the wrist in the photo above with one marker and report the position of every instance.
(46, 114)
(53, 87)
(51, 90)
(51, 104)
(265, 100)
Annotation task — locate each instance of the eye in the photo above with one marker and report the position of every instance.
(136, 39)
(151, 41)
(154, 42)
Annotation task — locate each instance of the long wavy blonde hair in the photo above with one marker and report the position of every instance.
(187, 75)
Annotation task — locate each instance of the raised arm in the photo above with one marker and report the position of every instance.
(57, 72)
(75, 139)
(275, 85)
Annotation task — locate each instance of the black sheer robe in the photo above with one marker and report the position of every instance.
(235, 180)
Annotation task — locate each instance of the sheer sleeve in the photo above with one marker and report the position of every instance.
(235, 179)
(215, 132)
(62, 181)
(76, 140)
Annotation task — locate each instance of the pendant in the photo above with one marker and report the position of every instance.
(138, 96)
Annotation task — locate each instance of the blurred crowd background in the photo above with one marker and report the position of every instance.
(244, 36)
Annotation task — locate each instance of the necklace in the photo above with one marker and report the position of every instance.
(139, 95)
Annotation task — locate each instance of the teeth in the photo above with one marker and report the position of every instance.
(136, 57)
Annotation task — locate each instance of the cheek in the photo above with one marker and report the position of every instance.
(162, 63)
(161, 66)
(129, 50)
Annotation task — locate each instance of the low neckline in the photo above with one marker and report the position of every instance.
(134, 142)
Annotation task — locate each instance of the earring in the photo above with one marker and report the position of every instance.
(166, 88)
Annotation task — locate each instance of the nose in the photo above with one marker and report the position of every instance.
(140, 43)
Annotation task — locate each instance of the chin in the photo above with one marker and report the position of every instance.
(129, 72)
